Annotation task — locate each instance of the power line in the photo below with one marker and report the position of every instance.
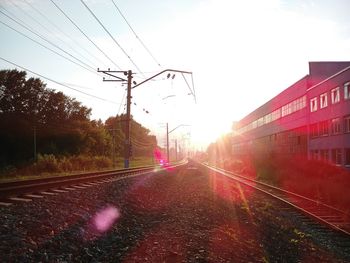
(78, 86)
(50, 31)
(57, 82)
(188, 85)
(87, 37)
(121, 103)
(115, 41)
(141, 144)
(21, 23)
(62, 32)
(138, 38)
(46, 47)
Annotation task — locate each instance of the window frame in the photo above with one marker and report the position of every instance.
(335, 95)
(347, 91)
(335, 126)
(324, 100)
(347, 156)
(324, 155)
(324, 128)
(346, 124)
(314, 130)
(337, 156)
(313, 104)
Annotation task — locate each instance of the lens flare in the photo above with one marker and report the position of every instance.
(101, 222)
(104, 219)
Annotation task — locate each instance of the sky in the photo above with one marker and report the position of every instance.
(241, 53)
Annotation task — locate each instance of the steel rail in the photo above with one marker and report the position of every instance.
(312, 210)
(17, 188)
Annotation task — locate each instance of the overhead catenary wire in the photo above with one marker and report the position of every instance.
(114, 40)
(63, 33)
(188, 85)
(77, 85)
(121, 103)
(21, 23)
(51, 32)
(86, 36)
(138, 38)
(46, 47)
(141, 144)
(57, 82)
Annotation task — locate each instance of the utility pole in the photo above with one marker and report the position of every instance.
(113, 149)
(128, 122)
(167, 143)
(175, 150)
(128, 73)
(34, 142)
(167, 138)
(112, 73)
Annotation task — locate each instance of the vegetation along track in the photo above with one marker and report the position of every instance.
(36, 188)
(315, 212)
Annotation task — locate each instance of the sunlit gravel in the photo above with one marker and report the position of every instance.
(184, 215)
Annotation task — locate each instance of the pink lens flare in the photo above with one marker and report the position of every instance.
(161, 159)
(105, 218)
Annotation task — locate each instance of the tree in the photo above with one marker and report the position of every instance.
(142, 142)
(61, 124)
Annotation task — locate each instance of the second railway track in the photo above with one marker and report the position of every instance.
(325, 215)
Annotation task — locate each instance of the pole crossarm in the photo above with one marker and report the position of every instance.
(109, 73)
(166, 70)
(178, 127)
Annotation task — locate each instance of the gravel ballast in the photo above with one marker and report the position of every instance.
(186, 214)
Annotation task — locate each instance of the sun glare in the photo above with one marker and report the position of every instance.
(206, 131)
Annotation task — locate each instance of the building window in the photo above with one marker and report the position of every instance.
(268, 118)
(347, 157)
(314, 130)
(336, 156)
(284, 110)
(324, 154)
(335, 95)
(347, 124)
(347, 91)
(303, 102)
(323, 100)
(276, 114)
(313, 104)
(314, 154)
(324, 128)
(335, 126)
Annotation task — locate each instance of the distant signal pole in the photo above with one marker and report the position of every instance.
(114, 74)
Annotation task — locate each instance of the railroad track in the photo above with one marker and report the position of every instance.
(26, 190)
(324, 214)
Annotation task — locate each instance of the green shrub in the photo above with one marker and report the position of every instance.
(46, 163)
(65, 165)
(315, 179)
(102, 162)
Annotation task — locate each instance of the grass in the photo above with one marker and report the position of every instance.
(314, 179)
(51, 166)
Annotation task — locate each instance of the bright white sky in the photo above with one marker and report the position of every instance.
(242, 53)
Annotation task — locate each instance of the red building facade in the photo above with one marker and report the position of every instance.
(311, 118)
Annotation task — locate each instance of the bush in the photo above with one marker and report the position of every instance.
(314, 179)
(50, 164)
(103, 162)
(46, 163)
